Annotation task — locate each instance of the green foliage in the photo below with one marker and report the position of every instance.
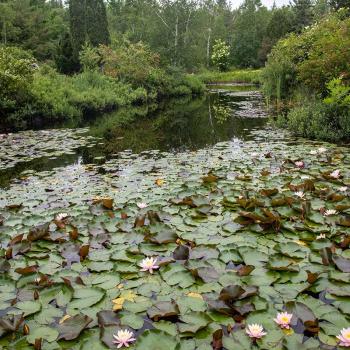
(220, 55)
(89, 58)
(339, 93)
(34, 25)
(16, 74)
(30, 91)
(249, 32)
(310, 59)
(317, 120)
(88, 23)
(303, 14)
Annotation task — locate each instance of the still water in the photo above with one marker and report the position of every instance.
(225, 112)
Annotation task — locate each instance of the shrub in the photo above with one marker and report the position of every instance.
(220, 55)
(310, 59)
(16, 74)
(317, 120)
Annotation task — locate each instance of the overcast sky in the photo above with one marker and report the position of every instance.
(267, 3)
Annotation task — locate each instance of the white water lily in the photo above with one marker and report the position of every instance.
(299, 194)
(344, 337)
(320, 150)
(335, 174)
(255, 331)
(330, 212)
(343, 189)
(141, 205)
(61, 216)
(149, 264)
(321, 236)
(123, 338)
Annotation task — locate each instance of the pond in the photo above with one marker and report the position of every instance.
(243, 219)
(226, 112)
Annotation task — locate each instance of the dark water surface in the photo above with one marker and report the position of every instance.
(224, 113)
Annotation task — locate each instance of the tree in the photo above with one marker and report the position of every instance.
(88, 23)
(34, 25)
(280, 24)
(96, 23)
(338, 4)
(249, 30)
(77, 18)
(303, 14)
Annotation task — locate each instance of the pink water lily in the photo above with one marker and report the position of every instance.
(149, 264)
(335, 174)
(344, 337)
(123, 338)
(255, 331)
(300, 164)
(283, 319)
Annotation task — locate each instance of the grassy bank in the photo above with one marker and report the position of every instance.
(35, 91)
(251, 76)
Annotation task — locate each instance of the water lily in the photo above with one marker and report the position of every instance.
(61, 216)
(149, 264)
(141, 205)
(255, 331)
(321, 236)
(123, 338)
(300, 164)
(320, 150)
(343, 189)
(330, 212)
(335, 174)
(283, 319)
(299, 194)
(344, 337)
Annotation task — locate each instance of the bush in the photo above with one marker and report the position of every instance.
(111, 78)
(220, 55)
(310, 60)
(317, 120)
(16, 75)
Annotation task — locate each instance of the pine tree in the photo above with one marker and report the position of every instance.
(97, 25)
(88, 23)
(303, 14)
(77, 17)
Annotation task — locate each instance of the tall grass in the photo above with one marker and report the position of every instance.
(252, 76)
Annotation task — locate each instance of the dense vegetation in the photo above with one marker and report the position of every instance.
(69, 59)
(310, 72)
(130, 75)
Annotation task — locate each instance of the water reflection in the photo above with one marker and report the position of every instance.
(225, 112)
(181, 124)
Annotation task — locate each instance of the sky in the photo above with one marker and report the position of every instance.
(267, 3)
